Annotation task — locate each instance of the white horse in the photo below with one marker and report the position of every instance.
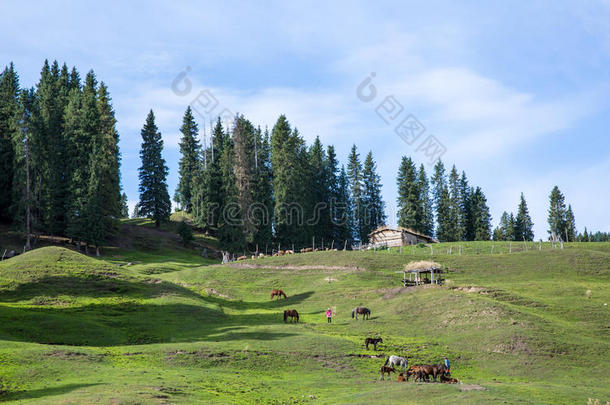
(402, 362)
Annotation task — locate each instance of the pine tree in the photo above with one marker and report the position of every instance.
(189, 162)
(440, 194)
(332, 172)
(9, 107)
(107, 144)
(24, 205)
(344, 212)
(373, 203)
(263, 190)
(289, 160)
(409, 202)
(467, 222)
(480, 215)
(154, 197)
(523, 222)
(230, 226)
(321, 221)
(557, 213)
(79, 145)
(49, 140)
(570, 229)
(455, 221)
(505, 230)
(209, 197)
(354, 173)
(427, 220)
(124, 206)
(244, 168)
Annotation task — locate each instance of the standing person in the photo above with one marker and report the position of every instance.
(447, 363)
(329, 315)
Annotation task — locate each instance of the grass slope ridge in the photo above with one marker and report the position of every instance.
(526, 327)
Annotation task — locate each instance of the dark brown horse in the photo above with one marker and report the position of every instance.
(277, 293)
(365, 312)
(435, 370)
(385, 369)
(292, 313)
(372, 341)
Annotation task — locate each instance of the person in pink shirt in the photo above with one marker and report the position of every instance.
(329, 315)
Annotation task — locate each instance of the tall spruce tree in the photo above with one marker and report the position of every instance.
(344, 213)
(289, 160)
(124, 206)
(557, 213)
(480, 214)
(230, 225)
(263, 190)
(354, 173)
(154, 197)
(80, 143)
(320, 221)
(373, 203)
(244, 168)
(106, 150)
(427, 209)
(24, 203)
(455, 221)
(209, 197)
(9, 108)
(50, 142)
(440, 194)
(570, 225)
(467, 222)
(189, 164)
(332, 172)
(409, 201)
(523, 222)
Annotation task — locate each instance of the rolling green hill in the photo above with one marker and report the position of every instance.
(163, 325)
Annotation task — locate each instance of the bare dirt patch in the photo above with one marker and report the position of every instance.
(471, 387)
(292, 267)
(517, 345)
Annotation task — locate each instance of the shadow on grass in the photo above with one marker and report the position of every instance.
(94, 286)
(127, 323)
(43, 392)
(271, 304)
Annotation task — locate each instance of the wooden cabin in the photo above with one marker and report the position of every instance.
(390, 237)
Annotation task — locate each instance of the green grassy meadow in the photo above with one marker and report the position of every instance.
(160, 324)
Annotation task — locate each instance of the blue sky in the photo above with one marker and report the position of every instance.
(517, 92)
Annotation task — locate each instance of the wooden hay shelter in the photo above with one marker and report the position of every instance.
(422, 272)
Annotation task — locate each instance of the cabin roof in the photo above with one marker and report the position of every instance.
(385, 228)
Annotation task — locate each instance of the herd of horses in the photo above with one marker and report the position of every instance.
(420, 373)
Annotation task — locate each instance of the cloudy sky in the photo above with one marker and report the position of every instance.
(517, 93)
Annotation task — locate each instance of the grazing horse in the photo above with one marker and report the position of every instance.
(435, 370)
(277, 293)
(292, 313)
(372, 341)
(365, 312)
(416, 372)
(383, 370)
(397, 361)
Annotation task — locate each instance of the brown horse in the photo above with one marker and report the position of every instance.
(365, 312)
(277, 293)
(372, 341)
(292, 313)
(434, 370)
(401, 377)
(385, 369)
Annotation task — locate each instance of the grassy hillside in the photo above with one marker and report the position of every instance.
(161, 326)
